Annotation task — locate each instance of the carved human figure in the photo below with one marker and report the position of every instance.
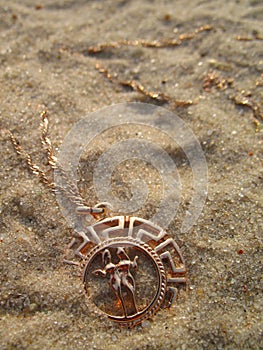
(121, 279)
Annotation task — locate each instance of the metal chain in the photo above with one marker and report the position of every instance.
(68, 189)
(36, 170)
(149, 44)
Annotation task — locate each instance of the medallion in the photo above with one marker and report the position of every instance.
(131, 268)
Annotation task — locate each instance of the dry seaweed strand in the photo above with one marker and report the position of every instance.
(136, 86)
(162, 43)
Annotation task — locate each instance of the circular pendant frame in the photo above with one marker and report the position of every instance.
(116, 250)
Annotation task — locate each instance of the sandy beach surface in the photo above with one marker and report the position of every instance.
(45, 64)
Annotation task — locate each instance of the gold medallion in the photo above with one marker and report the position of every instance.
(132, 270)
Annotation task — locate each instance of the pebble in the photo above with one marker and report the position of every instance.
(146, 324)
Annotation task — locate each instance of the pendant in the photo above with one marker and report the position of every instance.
(131, 268)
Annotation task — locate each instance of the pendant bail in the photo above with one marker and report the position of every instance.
(99, 211)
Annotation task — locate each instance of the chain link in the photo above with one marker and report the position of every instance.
(68, 189)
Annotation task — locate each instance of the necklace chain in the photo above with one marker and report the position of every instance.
(68, 189)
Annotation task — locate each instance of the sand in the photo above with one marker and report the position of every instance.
(45, 64)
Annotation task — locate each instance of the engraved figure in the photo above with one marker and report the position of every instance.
(121, 279)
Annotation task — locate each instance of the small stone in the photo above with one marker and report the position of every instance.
(32, 307)
(220, 65)
(25, 209)
(259, 66)
(146, 324)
